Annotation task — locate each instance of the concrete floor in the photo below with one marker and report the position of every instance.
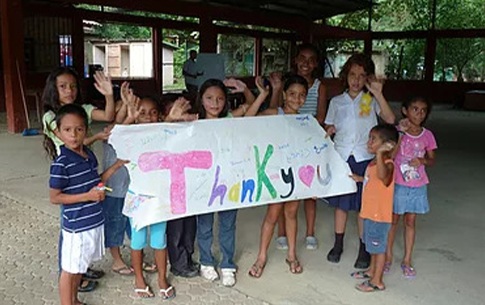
(448, 256)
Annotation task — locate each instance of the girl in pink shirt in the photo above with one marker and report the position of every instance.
(416, 150)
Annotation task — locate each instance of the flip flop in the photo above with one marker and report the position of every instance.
(124, 271)
(367, 286)
(256, 270)
(146, 293)
(408, 271)
(360, 275)
(150, 268)
(295, 266)
(164, 293)
(92, 274)
(88, 287)
(387, 267)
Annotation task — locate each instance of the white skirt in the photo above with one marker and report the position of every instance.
(81, 249)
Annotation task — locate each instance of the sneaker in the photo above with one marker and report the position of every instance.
(334, 255)
(228, 277)
(311, 242)
(363, 261)
(209, 273)
(282, 243)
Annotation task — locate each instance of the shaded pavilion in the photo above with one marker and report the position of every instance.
(291, 20)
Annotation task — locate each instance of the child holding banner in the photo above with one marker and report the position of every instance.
(350, 117)
(295, 91)
(306, 64)
(212, 104)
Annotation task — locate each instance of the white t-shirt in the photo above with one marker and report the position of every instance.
(353, 120)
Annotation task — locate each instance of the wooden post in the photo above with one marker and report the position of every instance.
(78, 45)
(12, 24)
(208, 35)
(258, 56)
(430, 57)
(157, 44)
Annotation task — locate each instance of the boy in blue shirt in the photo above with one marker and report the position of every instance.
(74, 183)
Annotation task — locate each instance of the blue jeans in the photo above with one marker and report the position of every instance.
(115, 223)
(227, 238)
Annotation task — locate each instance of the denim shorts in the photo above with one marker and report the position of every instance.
(410, 200)
(375, 236)
(115, 223)
(158, 236)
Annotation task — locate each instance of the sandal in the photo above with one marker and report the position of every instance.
(360, 275)
(87, 286)
(256, 270)
(367, 286)
(387, 267)
(408, 271)
(150, 268)
(164, 293)
(295, 266)
(92, 274)
(144, 293)
(125, 270)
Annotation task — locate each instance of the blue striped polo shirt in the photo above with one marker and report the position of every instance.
(73, 174)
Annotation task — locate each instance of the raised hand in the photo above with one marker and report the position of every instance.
(103, 83)
(260, 84)
(238, 85)
(178, 112)
(386, 147)
(134, 107)
(404, 125)
(275, 79)
(374, 85)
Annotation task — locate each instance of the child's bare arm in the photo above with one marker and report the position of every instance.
(385, 170)
(263, 93)
(112, 169)
(375, 87)
(275, 79)
(356, 177)
(105, 87)
(427, 160)
(322, 104)
(58, 197)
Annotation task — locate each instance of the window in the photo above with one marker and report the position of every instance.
(238, 53)
(337, 52)
(460, 59)
(399, 59)
(176, 47)
(122, 50)
(275, 56)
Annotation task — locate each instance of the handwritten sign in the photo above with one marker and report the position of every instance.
(183, 169)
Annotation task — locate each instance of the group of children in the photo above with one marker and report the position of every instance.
(386, 161)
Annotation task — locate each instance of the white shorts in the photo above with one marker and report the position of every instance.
(80, 249)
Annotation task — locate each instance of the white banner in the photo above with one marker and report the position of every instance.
(183, 169)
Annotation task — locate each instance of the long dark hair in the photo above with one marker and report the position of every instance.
(206, 85)
(50, 96)
(50, 100)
